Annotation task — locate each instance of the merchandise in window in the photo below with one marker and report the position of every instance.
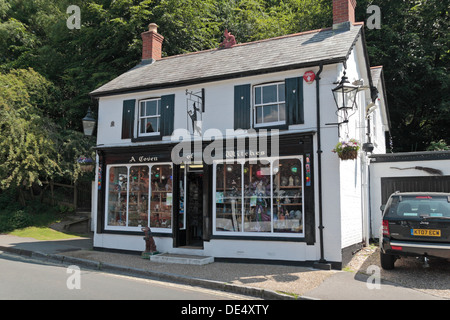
(287, 196)
(263, 197)
(229, 197)
(149, 117)
(257, 197)
(182, 209)
(270, 107)
(162, 197)
(138, 197)
(117, 196)
(130, 205)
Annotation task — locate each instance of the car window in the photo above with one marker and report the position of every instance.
(417, 206)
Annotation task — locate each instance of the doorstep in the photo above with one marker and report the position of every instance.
(181, 259)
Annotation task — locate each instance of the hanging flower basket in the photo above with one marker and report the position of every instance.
(86, 164)
(347, 150)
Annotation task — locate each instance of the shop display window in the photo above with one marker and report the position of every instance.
(259, 197)
(162, 197)
(229, 197)
(138, 197)
(287, 196)
(117, 196)
(134, 197)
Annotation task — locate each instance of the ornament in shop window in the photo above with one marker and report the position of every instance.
(309, 77)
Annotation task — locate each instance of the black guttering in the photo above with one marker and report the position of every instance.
(383, 84)
(410, 156)
(319, 163)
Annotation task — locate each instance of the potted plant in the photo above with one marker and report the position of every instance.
(347, 150)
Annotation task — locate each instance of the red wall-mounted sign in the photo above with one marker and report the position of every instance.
(309, 77)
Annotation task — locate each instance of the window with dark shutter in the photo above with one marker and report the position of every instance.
(155, 118)
(167, 114)
(242, 107)
(270, 107)
(149, 121)
(294, 101)
(128, 119)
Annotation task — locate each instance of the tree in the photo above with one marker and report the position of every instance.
(27, 154)
(413, 46)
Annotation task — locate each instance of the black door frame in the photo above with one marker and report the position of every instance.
(179, 236)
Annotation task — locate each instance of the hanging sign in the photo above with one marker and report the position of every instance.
(309, 77)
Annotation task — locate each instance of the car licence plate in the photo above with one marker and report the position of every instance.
(425, 232)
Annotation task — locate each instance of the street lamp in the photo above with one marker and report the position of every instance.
(88, 123)
(345, 98)
(345, 94)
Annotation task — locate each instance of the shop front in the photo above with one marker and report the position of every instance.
(258, 191)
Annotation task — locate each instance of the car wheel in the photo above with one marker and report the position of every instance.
(387, 261)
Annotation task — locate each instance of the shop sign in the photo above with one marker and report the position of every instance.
(142, 159)
(244, 154)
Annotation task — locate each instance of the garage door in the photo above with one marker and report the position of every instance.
(413, 184)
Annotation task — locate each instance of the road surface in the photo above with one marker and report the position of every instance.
(22, 279)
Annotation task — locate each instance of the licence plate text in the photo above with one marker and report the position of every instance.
(425, 233)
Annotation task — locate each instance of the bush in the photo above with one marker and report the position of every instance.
(10, 220)
(35, 214)
(20, 219)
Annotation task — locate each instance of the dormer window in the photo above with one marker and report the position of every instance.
(149, 117)
(269, 104)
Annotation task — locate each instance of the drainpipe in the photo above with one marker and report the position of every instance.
(322, 262)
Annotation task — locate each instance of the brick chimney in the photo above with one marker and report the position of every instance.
(343, 12)
(151, 43)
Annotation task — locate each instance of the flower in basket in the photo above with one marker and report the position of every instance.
(347, 150)
(86, 164)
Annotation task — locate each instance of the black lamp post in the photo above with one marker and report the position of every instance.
(345, 94)
(88, 123)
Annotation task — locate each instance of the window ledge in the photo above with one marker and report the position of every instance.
(155, 137)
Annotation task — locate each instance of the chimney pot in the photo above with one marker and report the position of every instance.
(153, 27)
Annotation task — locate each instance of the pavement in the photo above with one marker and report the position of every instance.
(269, 282)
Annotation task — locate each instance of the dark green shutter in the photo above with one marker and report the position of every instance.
(167, 114)
(242, 105)
(128, 119)
(294, 101)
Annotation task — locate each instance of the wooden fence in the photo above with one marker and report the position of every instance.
(75, 196)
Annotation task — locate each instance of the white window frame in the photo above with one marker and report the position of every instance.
(126, 227)
(140, 117)
(272, 233)
(261, 105)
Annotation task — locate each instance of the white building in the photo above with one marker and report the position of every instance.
(255, 178)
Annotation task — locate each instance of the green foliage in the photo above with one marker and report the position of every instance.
(14, 216)
(47, 70)
(440, 145)
(413, 45)
(19, 219)
(27, 154)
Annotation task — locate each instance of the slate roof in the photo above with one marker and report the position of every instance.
(271, 55)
